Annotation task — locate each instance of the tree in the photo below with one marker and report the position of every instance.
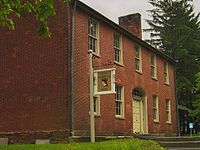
(41, 9)
(175, 30)
(195, 113)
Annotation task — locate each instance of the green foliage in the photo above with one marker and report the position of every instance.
(41, 9)
(131, 144)
(175, 30)
(195, 113)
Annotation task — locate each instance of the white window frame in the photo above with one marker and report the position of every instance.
(97, 104)
(168, 111)
(166, 73)
(155, 109)
(120, 101)
(118, 48)
(138, 59)
(153, 66)
(92, 22)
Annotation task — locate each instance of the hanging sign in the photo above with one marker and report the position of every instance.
(104, 81)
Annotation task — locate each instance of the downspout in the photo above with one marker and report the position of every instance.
(72, 87)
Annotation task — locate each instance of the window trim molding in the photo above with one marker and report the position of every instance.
(122, 102)
(98, 112)
(166, 72)
(170, 119)
(140, 58)
(97, 53)
(120, 48)
(155, 77)
(157, 109)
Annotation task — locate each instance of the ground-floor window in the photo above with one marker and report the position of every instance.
(96, 105)
(168, 111)
(155, 108)
(119, 101)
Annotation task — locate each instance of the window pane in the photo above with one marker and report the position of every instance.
(152, 71)
(92, 35)
(167, 116)
(137, 53)
(117, 55)
(137, 64)
(154, 114)
(153, 60)
(118, 100)
(95, 104)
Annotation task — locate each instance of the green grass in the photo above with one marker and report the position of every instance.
(129, 144)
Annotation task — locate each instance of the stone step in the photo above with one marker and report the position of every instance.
(182, 138)
(180, 144)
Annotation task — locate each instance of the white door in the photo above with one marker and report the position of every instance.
(137, 116)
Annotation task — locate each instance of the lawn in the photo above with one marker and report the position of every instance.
(128, 144)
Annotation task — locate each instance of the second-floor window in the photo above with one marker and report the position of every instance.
(166, 74)
(153, 66)
(138, 59)
(118, 48)
(93, 36)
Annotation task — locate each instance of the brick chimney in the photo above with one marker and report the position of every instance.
(132, 23)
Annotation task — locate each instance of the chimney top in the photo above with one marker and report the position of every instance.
(132, 23)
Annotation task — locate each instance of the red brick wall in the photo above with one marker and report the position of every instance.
(34, 75)
(126, 76)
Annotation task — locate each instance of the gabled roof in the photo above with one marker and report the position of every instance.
(92, 12)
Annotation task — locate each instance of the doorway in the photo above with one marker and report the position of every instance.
(139, 106)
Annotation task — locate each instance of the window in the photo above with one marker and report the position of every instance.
(97, 105)
(155, 109)
(166, 75)
(118, 48)
(153, 67)
(138, 59)
(119, 100)
(168, 111)
(93, 36)
(137, 94)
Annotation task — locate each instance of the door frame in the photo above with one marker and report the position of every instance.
(143, 112)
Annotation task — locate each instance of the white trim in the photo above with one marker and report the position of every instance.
(167, 73)
(120, 48)
(122, 103)
(154, 66)
(97, 113)
(156, 108)
(170, 119)
(138, 58)
(112, 91)
(96, 38)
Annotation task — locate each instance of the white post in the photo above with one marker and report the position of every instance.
(92, 129)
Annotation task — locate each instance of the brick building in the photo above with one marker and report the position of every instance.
(44, 83)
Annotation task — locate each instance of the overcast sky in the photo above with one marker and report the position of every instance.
(112, 9)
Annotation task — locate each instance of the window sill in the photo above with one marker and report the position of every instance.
(140, 72)
(97, 115)
(154, 78)
(118, 63)
(96, 55)
(169, 123)
(119, 117)
(156, 121)
(167, 84)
